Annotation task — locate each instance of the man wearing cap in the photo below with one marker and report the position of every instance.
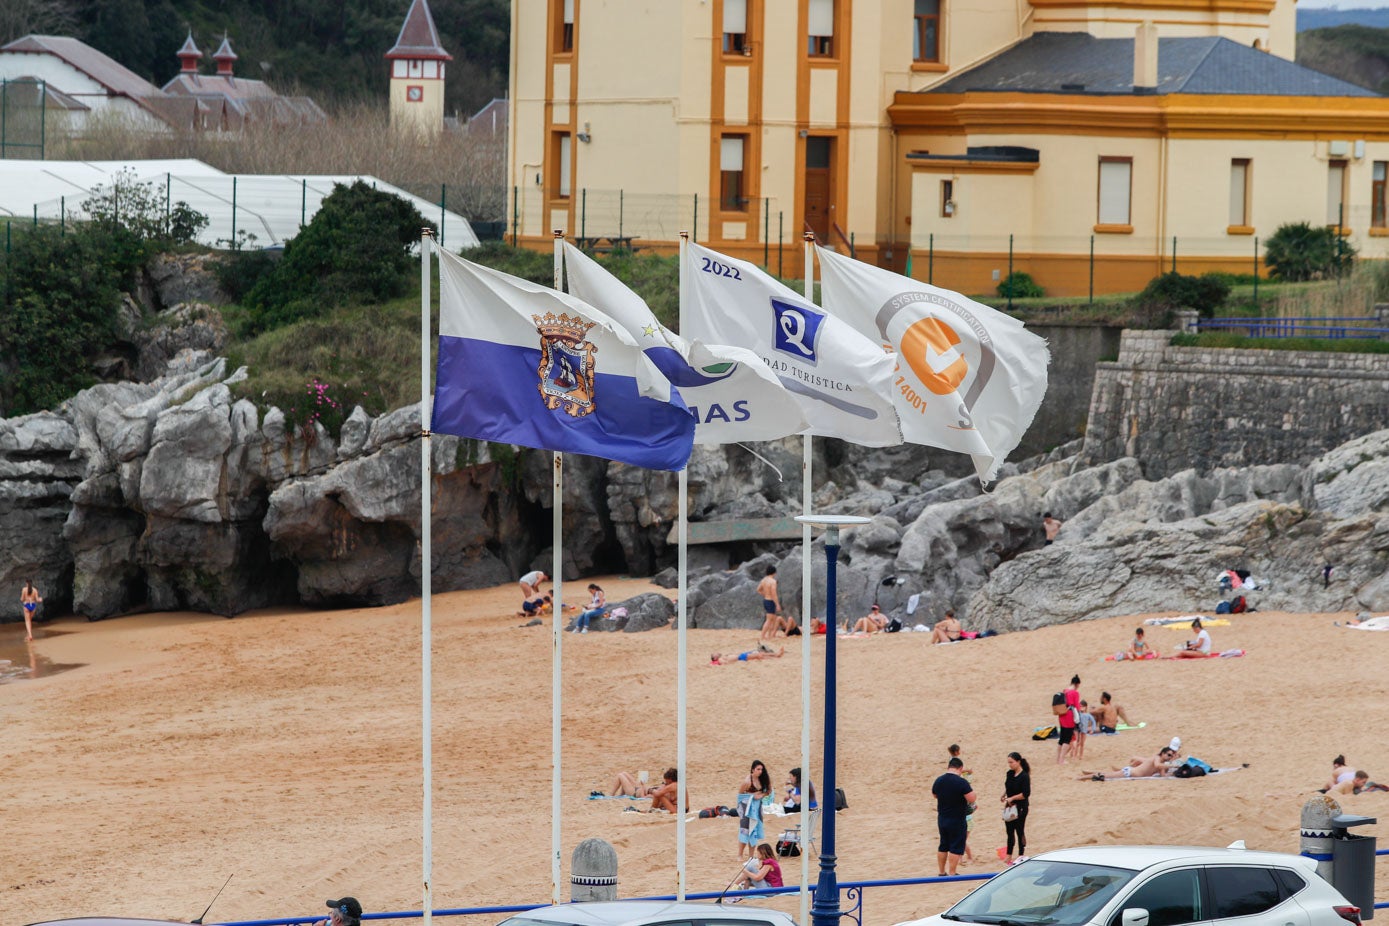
(346, 912)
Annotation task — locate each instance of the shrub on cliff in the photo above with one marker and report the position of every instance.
(355, 250)
(1171, 291)
(1298, 251)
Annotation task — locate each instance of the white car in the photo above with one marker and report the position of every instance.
(1154, 886)
(648, 913)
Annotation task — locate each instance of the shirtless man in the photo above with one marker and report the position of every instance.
(1139, 767)
(771, 604)
(1052, 526)
(872, 622)
(1108, 714)
(947, 629)
(719, 659)
(1354, 786)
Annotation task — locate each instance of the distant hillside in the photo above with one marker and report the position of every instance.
(1358, 54)
(331, 50)
(1325, 19)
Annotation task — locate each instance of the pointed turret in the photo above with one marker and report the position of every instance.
(189, 56)
(225, 58)
(417, 73)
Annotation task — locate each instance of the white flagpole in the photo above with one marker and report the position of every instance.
(557, 631)
(806, 625)
(426, 568)
(682, 625)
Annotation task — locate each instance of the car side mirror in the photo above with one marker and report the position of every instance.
(1134, 916)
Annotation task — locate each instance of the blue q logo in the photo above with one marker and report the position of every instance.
(797, 329)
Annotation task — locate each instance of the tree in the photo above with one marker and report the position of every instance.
(1299, 251)
(19, 18)
(355, 249)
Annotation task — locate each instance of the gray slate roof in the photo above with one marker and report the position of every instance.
(1063, 62)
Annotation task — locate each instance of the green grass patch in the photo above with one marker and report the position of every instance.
(1325, 345)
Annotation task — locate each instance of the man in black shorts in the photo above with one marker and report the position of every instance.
(954, 798)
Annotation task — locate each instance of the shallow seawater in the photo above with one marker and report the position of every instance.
(21, 660)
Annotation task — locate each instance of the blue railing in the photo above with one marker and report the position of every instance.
(853, 891)
(1355, 326)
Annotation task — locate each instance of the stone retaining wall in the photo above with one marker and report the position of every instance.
(1176, 408)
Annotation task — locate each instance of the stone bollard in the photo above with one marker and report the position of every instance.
(1187, 320)
(1316, 831)
(593, 871)
(1381, 311)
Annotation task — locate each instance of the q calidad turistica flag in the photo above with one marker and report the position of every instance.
(969, 378)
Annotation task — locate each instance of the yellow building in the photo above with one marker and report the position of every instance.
(1136, 130)
(418, 65)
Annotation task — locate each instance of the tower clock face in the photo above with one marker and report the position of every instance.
(414, 94)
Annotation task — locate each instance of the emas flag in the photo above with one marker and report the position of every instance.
(524, 364)
(969, 378)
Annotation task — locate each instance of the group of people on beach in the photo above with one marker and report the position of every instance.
(1346, 780)
(957, 803)
(1076, 721)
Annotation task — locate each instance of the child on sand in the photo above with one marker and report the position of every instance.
(719, 659)
(1139, 648)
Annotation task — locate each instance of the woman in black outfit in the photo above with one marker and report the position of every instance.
(1017, 788)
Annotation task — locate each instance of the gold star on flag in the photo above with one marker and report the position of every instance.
(649, 331)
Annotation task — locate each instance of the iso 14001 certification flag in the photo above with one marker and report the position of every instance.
(523, 364)
(969, 378)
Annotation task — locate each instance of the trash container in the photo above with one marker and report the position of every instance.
(1353, 862)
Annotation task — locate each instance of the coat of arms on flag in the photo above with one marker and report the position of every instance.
(566, 363)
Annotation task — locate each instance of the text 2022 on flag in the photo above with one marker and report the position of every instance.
(970, 378)
(524, 364)
(839, 377)
(732, 393)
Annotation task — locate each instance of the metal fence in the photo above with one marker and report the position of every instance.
(1333, 327)
(23, 103)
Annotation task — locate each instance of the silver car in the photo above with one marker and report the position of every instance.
(649, 913)
(1154, 886)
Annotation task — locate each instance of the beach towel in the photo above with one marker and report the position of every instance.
(1120, 657)
(1119, 776)
(1045, 733)
(1373, 623)
(1184, 622)
(1131, 726)
(1223, 654)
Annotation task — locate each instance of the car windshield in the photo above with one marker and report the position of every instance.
(1042, 893)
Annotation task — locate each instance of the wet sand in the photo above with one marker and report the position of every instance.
(283, 747)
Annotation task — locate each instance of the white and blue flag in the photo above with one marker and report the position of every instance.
(839, 377)
(730, 391)
(523, 364)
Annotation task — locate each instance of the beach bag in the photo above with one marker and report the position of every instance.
(840, 801)
(1188, 771)
(894, 626)
(1058, 703)
(1223, 608)
(1239, 605)
(1010, 813)
(1044, 733)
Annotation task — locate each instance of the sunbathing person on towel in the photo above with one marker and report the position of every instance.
(719, 659)
(1159, 766)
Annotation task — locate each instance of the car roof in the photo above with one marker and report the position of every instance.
(1141, 857)
(611, 913)
(107, 921)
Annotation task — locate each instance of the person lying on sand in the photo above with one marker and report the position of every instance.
(1160, 766)
(719, 659)
(1354, 786)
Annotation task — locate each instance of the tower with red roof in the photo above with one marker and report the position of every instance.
(417, 73)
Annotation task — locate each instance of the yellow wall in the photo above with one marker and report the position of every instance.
(427, 115)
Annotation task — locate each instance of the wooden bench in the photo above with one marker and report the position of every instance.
(606, 244)
(738, 531)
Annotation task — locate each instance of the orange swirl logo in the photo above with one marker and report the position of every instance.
(931, 349)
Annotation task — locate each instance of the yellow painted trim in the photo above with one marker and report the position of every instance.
(966, 166)
(1113, 229)
(1379, 232)
(1189, 6)
(1151, 116)
(930, 67)
(1239, 230)
(1134, 20)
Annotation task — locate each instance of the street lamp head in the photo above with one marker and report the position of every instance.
(833, 520)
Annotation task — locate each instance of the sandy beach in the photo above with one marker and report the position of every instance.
(155, 755)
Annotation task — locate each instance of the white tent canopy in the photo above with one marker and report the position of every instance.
(271, 207)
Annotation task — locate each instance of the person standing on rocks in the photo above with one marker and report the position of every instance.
(29, 600)
(1051, 526)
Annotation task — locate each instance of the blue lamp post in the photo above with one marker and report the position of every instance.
(824, 910)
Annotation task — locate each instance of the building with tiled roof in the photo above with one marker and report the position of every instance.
(418, 62)
(966, 135)
(226, 102)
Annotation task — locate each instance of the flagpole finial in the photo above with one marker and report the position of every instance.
(559, 233)
(685, 235)
(426, 232)
(808, 237)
